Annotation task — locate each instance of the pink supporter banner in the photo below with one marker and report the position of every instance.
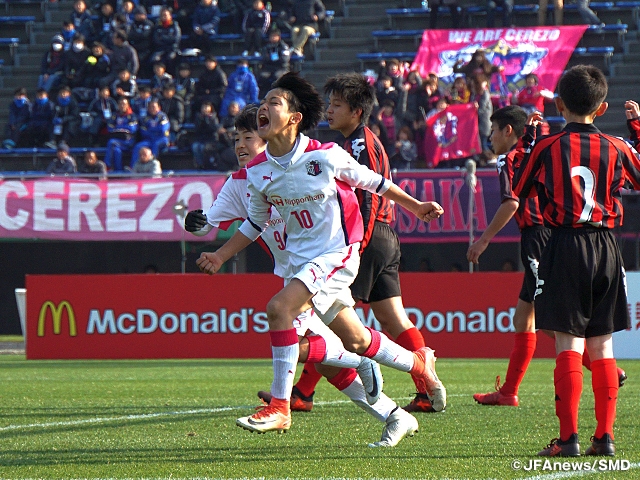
(544, 51)
(452, 133)
(78, 209)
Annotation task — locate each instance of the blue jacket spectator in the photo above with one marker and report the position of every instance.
(81, 19)
(255, 24)
(242, 88)
(206, 19)
(122, 129)
(154, 132)
(19, 112)
(40, 125)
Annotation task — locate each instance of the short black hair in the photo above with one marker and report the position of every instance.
(511, 115)
(247, 118)
(20, 91)
(302, 97)
(120, 34)
(354, 89)
(582, 89)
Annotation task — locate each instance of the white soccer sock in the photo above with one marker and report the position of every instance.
(285, 360)
(336, 356)
(379, 410)
(390, 354)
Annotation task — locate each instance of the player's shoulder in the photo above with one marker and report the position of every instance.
(316, 146)
(257, 160)
(240, 174)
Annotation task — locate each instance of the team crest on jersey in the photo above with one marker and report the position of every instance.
(313, 168)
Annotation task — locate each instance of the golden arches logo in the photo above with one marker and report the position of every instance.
(56, 315)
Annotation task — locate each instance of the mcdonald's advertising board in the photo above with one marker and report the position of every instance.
(223, 316)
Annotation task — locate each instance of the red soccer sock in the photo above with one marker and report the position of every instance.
(344, 378)
(411, 339)
(308, 379)
(586, 360)
(522, 353)
(604, 380)
(568, 385)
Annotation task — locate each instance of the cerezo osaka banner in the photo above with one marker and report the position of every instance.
(55, 208)
(471, 317)
(544, 51)
(452, 133)
(143, 209)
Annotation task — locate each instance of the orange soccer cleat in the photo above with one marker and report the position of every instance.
(299, 403)
(268, 418)
(497, 397)
(558, 448)
(428, 380)
(420, 403)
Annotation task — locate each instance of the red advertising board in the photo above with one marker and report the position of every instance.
(223, 316)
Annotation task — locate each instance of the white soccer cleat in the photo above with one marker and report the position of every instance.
(371, 376)
(399, 424)
(435, 389)
(268, 419)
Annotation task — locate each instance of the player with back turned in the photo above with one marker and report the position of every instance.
(577, 175)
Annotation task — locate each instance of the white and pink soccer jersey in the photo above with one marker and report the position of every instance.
(314, 195)
(232, 203)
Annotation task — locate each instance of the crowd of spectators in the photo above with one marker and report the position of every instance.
(117, 75)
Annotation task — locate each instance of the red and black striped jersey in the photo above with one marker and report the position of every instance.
(528, 213)
(577, 175)
(365, 147)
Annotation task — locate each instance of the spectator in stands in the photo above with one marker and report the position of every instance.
(154, 131)
(532, 97)
(74, 62)
(440, 106)
(507, 12)
(558, 6)
(40, 126)
(412, 87)
(205, 23)
(255, 24)
(211, 85)
(460, 92)
(147, 164)
(90, 165)
(205, 135)
(454, 8)
(122, 129)
(127, 10)
(242, 88)
(66, 120)
(160, 78)
(123, 57)
(386, 91)
(275, 61)
(140, 38)
(393, 69)
(390, 124)
(482, 101)
(125, 86)
(406, 150)
(305, 15)
(166, 40)
(173, 106)
(81, 19)
(140, 104)
(240, 9)
(52, 65)
(96, 67)
(478, 66)
(186, 89)
(428, 95)
(119, 23)
(183, 13)
(19, 112)
(68, 32)
(63, 163)
(102, 26)
(102, 110)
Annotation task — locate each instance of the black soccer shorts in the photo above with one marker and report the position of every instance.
(378, 277)
(531, 245)
(581, 289)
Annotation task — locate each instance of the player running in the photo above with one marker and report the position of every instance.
(310, 184)
(232, 204)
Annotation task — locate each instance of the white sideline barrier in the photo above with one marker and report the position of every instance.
(21, 300)
(626, 344)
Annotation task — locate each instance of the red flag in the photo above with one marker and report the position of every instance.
(452, 133)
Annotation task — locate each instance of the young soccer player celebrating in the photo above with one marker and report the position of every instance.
(310, 185)
(578, 174)
(232, 204)
(508, 139)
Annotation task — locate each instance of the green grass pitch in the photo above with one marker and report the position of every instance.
(176, 419)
